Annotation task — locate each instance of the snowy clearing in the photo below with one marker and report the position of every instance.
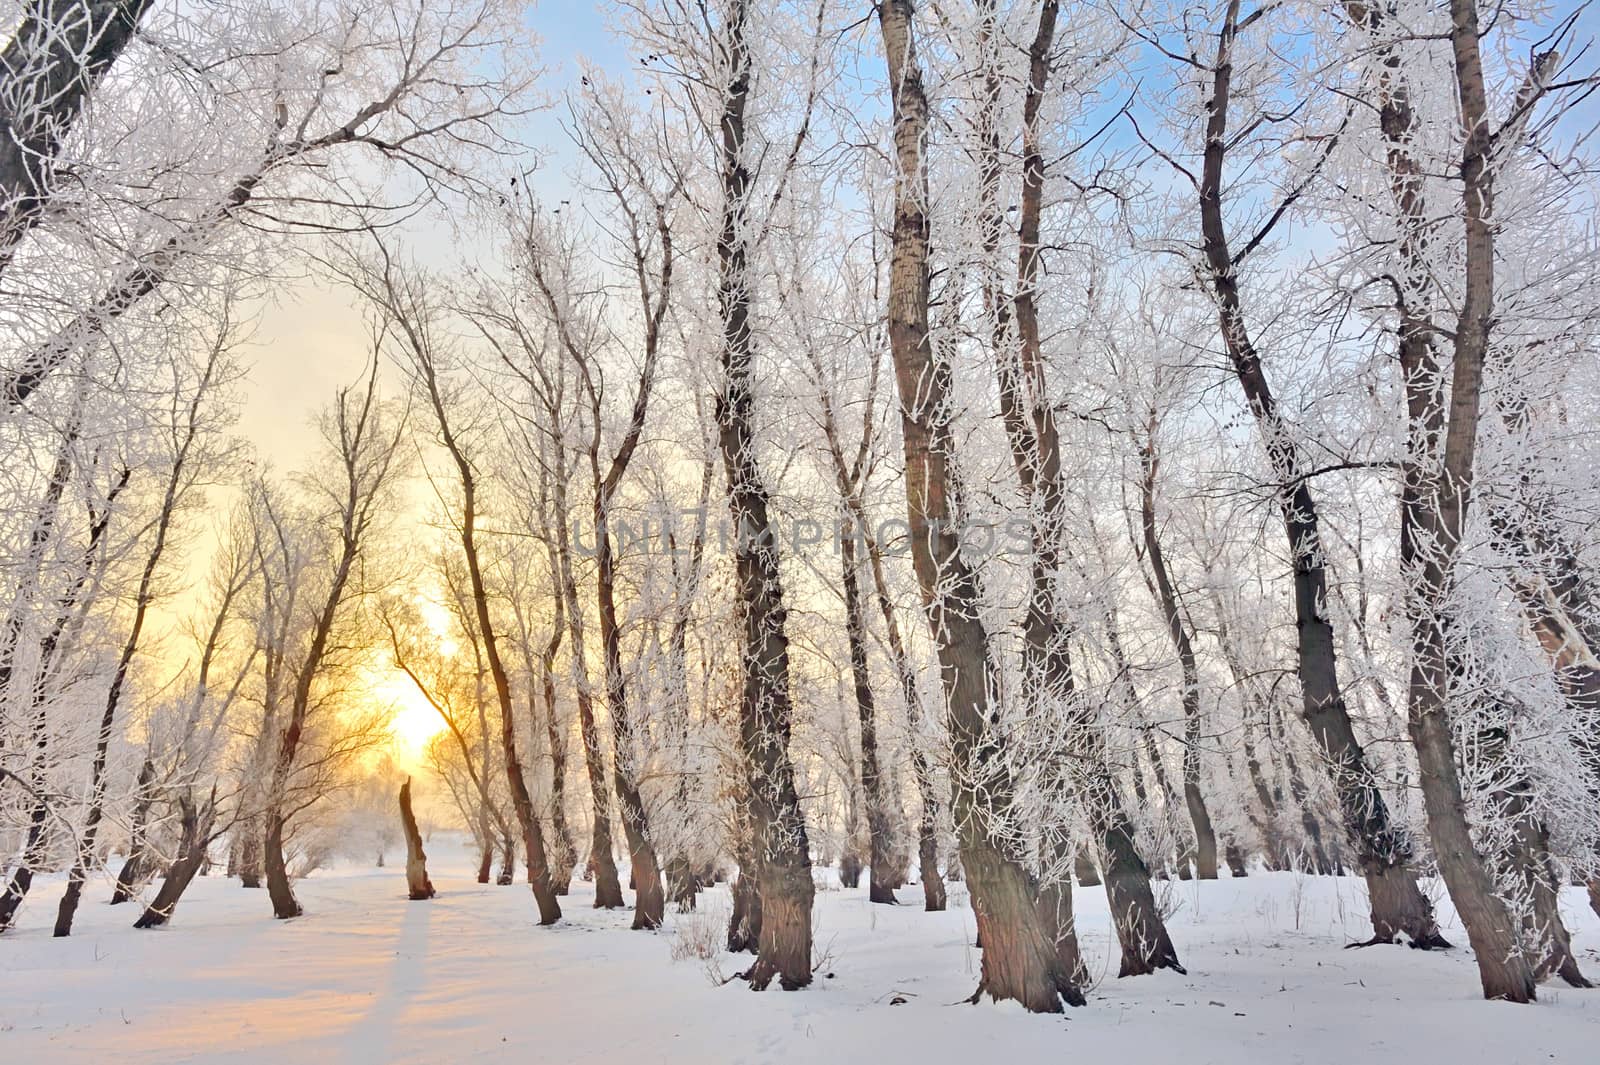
(366, 976)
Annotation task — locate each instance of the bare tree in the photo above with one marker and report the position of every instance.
(1020, 959)
(1397, 906)
(782, 853)
(404, 302)
(190, 442)
(363, 444)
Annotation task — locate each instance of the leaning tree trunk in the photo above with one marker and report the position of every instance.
(1526, 861)
(1019, 957)
(521, 801)
(279, 890)
(195, 838)
(1398, 906)
(418, 886)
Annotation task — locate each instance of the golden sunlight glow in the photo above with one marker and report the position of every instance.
(413, 721)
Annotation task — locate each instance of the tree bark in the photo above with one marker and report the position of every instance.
(418, 886)
(1437, 481)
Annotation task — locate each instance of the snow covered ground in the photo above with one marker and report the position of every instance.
(366, 976)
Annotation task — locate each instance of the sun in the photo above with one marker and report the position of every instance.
(413, 720)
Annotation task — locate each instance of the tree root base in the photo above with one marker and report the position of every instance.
(1428, 941)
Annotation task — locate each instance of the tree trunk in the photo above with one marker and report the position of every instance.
(781, 849)
(565, 856)
(418, 886)
(281, 892)
(1528, 861)
(1054, 904)
(1083, 867)
(879, 887)
(1321, 863)
(485, 856)
(608, 888)
(250, 832)
(508, 861)
(649, 905)
(1036, 453)
(933, 893)
(682, 884)
(22, 876)
(744, 924)
(1436, 496)
(933, 896)
(185, 433)
(196, 837)
(38, 704)
(850, 864)
(1019, 959)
